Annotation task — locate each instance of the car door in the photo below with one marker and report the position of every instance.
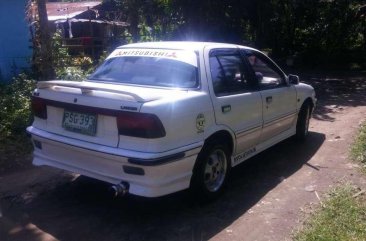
(278, 97)
(236, 102)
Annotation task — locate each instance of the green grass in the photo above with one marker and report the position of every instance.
(358, 150)
(342, 217)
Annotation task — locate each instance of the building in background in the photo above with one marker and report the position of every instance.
(88, 27)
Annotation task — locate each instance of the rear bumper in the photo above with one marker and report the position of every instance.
(158, 173)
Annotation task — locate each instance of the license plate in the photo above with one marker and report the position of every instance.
(80, 122)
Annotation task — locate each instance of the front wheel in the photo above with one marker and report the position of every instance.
(302, 126)
(211, 171)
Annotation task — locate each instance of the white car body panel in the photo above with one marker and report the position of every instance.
(189, 116)
(178, 113)
(279, 111)
(105, 163)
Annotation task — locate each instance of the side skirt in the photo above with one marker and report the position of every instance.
(241, 157)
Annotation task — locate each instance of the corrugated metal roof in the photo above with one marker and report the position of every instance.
(80, 20)
(62, 10)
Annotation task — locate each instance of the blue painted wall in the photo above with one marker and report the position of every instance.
(14, 39)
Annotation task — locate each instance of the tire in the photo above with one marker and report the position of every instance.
(303, 120)
(210, 172)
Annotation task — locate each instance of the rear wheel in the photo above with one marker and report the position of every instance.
(211, 171)
(303, 121)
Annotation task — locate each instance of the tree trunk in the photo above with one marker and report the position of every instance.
(134, 29)
(46, 68)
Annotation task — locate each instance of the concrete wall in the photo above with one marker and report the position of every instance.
(14, 39)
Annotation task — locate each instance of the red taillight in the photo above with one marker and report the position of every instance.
(140, 125)
(39, 107)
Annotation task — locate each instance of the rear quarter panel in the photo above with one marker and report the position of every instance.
(180, 114)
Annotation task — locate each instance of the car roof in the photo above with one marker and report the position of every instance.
(184, 45)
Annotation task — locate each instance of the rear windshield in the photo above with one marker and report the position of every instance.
(163, 68)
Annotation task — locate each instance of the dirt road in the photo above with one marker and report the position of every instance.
(266, 200)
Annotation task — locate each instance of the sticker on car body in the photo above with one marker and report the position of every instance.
(185, 56)
(242, 156)
(200, 123)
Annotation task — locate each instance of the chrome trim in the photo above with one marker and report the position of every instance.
(247, 131)
(189, 150)
(277, 119)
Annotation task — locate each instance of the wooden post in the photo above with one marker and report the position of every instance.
(91, 34)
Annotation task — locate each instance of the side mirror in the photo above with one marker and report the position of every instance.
(293, 79)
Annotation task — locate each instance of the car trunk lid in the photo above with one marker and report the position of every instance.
(88, 111)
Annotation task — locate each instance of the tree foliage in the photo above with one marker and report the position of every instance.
(314, 30)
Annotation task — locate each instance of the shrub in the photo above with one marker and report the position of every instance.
(15, 114)
(66, 66)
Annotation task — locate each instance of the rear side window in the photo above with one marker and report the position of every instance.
(228, 75)
(163, 68)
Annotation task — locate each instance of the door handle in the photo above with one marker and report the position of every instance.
(225, 108)
(269, 99)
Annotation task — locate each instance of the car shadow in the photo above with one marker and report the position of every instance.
(82, 210)
(336, 90)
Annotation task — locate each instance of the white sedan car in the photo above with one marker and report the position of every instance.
(156, 118)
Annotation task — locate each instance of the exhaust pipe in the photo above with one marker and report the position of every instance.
(120, 189)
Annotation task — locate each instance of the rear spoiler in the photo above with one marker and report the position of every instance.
(85, 88)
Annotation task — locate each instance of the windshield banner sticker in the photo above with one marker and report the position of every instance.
(185, 56)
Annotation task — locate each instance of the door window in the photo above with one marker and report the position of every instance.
(267, 74)
(228, 76)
